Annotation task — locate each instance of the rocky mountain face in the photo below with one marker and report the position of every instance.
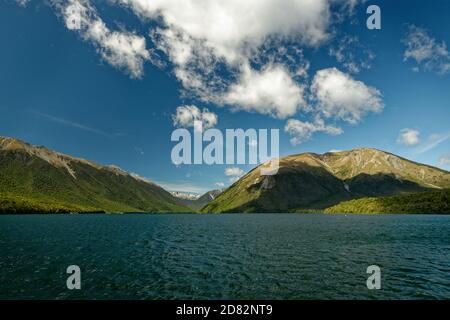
(318, 181)
(36, 179)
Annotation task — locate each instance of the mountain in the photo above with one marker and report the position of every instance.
(437, 202)
(318, 181)
(184, 195)
(207, 198)
(196, 203)
(36, 179)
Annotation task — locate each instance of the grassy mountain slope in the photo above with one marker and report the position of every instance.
(35, 179)
(437, 202)
(313, 181)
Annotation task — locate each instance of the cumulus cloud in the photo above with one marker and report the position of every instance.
(270, 91)
(121, 49)
(228, 30)
(426, 51)
(247, 55)
(220, 184)
(444, 160)
(234, 172)
(207, 39)
(340, 96)
(185, 117)
(409, 137)
(302, 131)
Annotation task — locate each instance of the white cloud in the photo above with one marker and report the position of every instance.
(247, 55)
(338, 95)
(444, 160)
(434, 140)
(22, 3)
(233, 179)
(409, 137)
(353, 56)
(121, 49)
(426, 51)
(73, 124)
(271, 91)
(234, 29)
(212, 42)
(220, 184)
(303, 131)
(186, 115)
(234, 172)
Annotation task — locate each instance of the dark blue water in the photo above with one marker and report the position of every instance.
(270, 256)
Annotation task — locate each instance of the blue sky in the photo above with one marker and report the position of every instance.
(310, 71)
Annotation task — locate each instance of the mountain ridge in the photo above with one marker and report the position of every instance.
(60, 159)
(202, 200)
(34, 178)
(317, 181)
(37, 179)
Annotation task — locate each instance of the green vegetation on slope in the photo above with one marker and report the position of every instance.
(237, 198)
(31, 182)
(17, 204)
(437, 202)
(35, 179)
(314, 182)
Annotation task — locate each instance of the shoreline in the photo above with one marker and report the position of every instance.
(215, 214)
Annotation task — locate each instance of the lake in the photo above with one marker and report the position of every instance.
(259, 256)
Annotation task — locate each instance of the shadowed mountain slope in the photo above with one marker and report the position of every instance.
(314, 181)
